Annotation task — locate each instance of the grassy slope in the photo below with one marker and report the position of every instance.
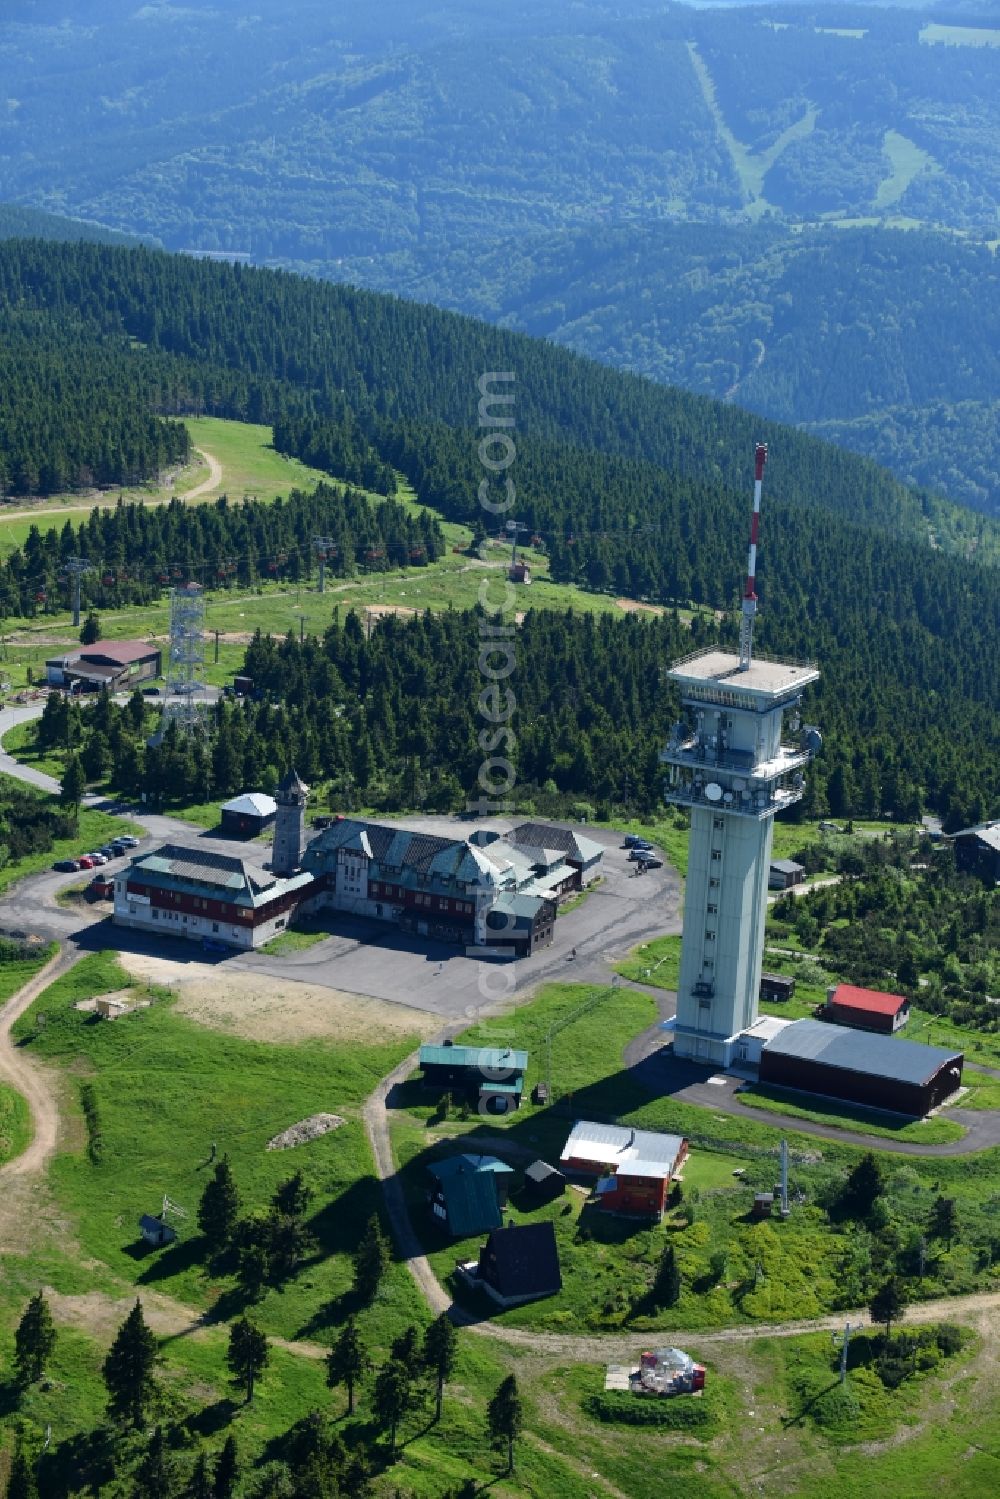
(93, 830)
(251, 466)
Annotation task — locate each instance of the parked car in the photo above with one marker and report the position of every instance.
(642, 853)
(635, 840)
(66, 866)
(108, 850)
(119, 849)
(653, 862)
(127, 841)
(100, 888)
(97, 858)
(86, 862)
(210, 944)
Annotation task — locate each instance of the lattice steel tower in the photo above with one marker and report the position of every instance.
(185, 656)
(729, 766)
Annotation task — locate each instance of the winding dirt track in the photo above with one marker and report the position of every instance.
(25, 1074)
(207, 485)
(42, 512)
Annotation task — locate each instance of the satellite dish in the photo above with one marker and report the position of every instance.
(728, 796)
(713, 791)
(812, 739)
(739, 785)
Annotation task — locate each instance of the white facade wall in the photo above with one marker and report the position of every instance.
(139, 914)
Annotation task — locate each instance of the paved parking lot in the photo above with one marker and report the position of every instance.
(369, 958)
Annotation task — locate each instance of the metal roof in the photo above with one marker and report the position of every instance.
(120, 652)
(788, 866)
(635, 1152)
(861, 1051)
(533, 835)
(987, 833)
(252, 804)
(471, 1202)
(496, 1059)
(868, 1001)
(171, 866)
(457, 1165)
(400, 853)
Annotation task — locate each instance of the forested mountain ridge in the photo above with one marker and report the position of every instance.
(887, 341)
(631, 486)
(395, 382)
(352, 146)
(485, 146)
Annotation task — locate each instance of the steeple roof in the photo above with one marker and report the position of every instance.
(292, 785)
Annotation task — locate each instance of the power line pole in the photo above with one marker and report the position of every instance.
(74, 568)
(324, 547)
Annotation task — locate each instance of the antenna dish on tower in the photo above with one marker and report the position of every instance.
(713, 791)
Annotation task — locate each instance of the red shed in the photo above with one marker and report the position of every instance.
(867, 1009)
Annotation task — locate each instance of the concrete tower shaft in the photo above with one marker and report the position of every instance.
(730, 767)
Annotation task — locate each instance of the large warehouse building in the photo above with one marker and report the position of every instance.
(880, 1072)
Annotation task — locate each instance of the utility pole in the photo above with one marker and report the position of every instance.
(324, 547)
(845, 1343)
(74, 568)
(784, 1179)
(216, 647)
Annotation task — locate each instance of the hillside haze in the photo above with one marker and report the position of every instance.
(538, 164)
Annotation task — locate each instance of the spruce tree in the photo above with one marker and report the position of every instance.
(200, 1483)
(293, 1196)
(219, 1207)
(392, 1398)
(371, 1260)
(504, 1415)
(74, 782)
(440, 1350)
(888, 1305)
(347, 1361)
(34, 1341)
(21, 1484)
(226, 1474)
(667, 1286)
(944, 1219)
(249, 1355)
(128, 1369)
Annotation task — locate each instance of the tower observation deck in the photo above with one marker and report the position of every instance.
(728, 763)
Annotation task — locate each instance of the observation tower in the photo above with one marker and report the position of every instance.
(730, 766)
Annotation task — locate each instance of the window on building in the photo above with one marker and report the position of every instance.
(718, 822)
(716, 853)
(156, 915)
(215, 926)
(713, 883)
(709, 936)
(713, 910)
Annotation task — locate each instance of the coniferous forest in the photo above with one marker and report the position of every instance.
(629, 486)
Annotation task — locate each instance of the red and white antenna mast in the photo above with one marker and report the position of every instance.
(750, 592)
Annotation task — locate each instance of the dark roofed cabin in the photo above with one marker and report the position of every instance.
(520, 1264)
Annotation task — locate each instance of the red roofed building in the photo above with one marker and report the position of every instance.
(867, 1009)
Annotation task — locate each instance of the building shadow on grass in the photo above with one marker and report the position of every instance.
(181, 1255)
